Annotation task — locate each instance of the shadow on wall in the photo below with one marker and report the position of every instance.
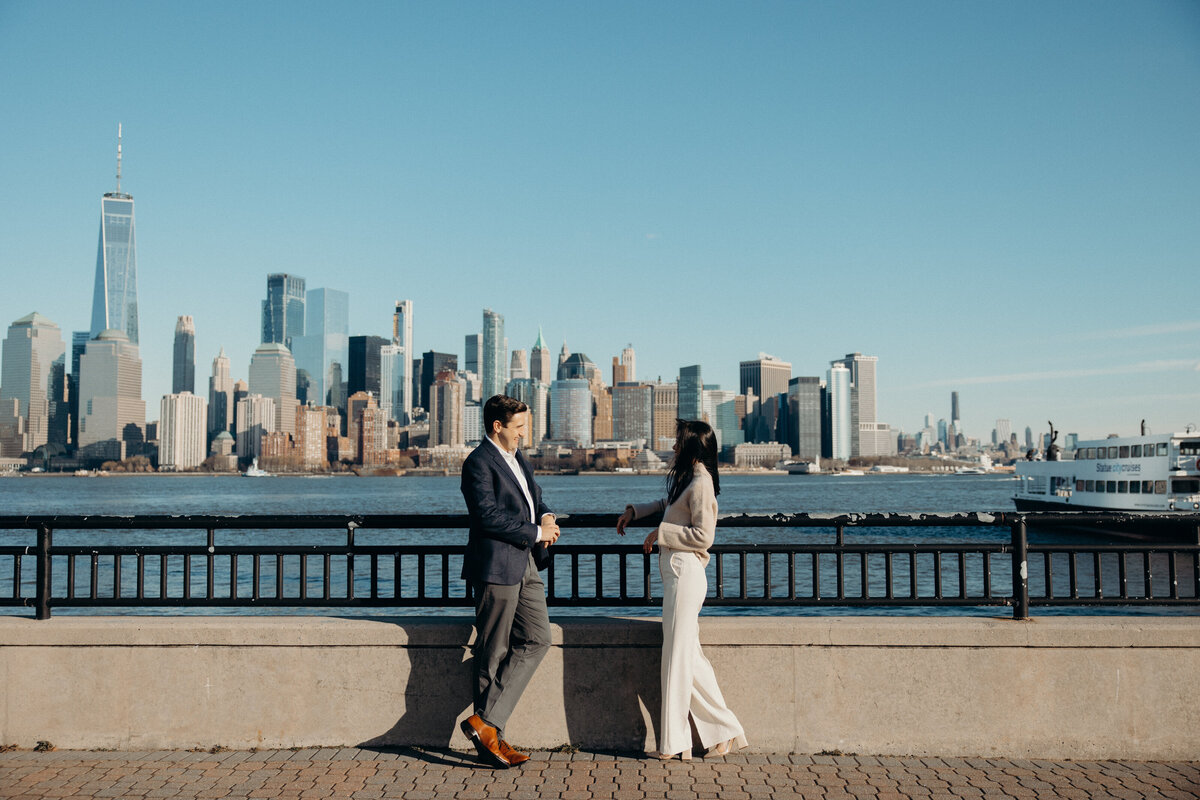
(612, 693)
(439, 686)
(611, 688)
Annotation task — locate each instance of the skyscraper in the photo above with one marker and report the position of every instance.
(838, 413)
(633, 412)
(283, 310)
(666, 411)
(767, 376)
(114, 297)
(495, 362)
(182, 443)
(394, 383)
(862, 401)
(804, 417)
(112, 419)
(571, 411)
(629, 361)
(183, 377)
(539, 361)
(447, 400)
(432, 363)
(364, 364)
(325, 342)
(518, 366)
(402, 377)
(472, 352)
(220, 397)
(273, 375)
(256, 417)
(691, 393)
(32, 401)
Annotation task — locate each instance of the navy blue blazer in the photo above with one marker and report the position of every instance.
(501, 535)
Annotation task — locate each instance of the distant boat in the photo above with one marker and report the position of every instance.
(984, 468)
(253, 471)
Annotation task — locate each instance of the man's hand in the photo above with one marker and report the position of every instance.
(550, 530)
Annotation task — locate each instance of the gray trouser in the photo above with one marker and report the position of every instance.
(512, 634)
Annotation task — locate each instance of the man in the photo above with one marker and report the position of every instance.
(511, 529)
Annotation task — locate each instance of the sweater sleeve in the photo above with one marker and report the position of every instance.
(698, 535)
(641, 510)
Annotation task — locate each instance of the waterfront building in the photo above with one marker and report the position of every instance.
(571, 411)
(364, 364)
(79, 340)
(618, 372)
(221, 453)
(862, 400)
(183, 373)
(837, 412)
(402, 369)
(372, 437)
(633, 410)
(720, 409)
(1003, 432)
(182, 431)
(494, 369)
(324, 347)
(518, 365)
(472, 423)
(241, 389)
(395, 383)
(33, 403)
(691, 394)
(539, 361)
(114, 296)
(955, 419)
(283, 310)
(256, 415)
(355, 404)
(629, 362)
(112, 419)
(311, 448)
(473, 352)
(666, 411)
(602, 414)
(804, 417)
(877, 439)
(536, 395)
(473, 386)
(763, 455)
(431, 364)
(446, 409)
(273, 375)
(767, 376)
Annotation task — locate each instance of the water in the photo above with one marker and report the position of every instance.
(751, 494)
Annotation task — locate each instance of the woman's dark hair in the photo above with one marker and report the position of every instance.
(697, 443)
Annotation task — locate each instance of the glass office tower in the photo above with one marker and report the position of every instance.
(114, 299)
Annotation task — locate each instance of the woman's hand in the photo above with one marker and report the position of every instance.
(625, 519)
(651, 538)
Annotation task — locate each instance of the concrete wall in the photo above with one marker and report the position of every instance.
(1089, 687)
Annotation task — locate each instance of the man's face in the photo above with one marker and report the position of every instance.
(509, 436)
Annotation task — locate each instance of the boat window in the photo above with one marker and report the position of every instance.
(1136, 451)
(1189, 448)
(1160, 487)
(1112, 452)
(1162, 448)
(1185, 486)
(1111, 487)
(1122, 487)
(1079, 485)
(1124, 451)
(1089, 453)
(1089, 486)
(1135, 487)
(1147, 487)
(1100, 487)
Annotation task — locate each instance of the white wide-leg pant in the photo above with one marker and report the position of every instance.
(688, 681)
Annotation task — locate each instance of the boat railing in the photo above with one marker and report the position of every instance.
(161, 564)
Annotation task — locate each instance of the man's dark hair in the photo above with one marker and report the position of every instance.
(503, 408)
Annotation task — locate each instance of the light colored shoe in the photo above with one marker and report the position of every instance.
(721, 748)
(684, 756)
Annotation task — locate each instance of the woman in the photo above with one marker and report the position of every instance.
(688, 525)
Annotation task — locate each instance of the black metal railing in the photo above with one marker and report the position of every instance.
(245, 570)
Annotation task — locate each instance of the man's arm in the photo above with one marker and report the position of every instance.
(479, 490)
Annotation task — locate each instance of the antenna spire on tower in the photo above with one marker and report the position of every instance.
(118, 158)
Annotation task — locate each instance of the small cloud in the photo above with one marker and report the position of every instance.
(653, 236)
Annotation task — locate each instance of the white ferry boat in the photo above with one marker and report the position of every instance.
(1144, 473)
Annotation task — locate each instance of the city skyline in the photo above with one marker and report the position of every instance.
(984, 198)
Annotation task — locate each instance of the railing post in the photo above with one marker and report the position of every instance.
(1020, 569)
(44, 541)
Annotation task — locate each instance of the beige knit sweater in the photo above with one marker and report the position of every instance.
(690, 523)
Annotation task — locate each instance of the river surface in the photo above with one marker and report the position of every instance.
(567, 494)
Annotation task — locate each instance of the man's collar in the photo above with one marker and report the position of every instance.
(503, 452)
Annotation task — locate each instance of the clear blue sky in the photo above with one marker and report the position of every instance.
(997, 198)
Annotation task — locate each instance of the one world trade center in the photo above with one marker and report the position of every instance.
(114, 300)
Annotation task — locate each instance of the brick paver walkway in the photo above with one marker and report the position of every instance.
(428, 774)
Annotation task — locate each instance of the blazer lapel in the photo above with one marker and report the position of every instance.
(503, 468)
